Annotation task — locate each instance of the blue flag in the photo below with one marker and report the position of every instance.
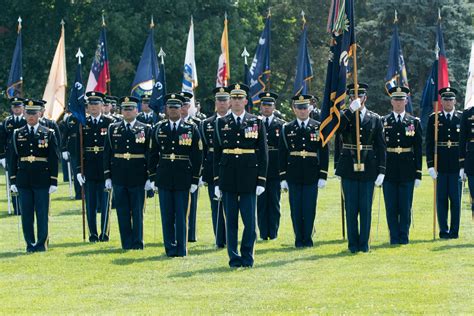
(260, 68)
(304, 71)
(148, 68)
(341, 25)
(397, 73)
(157, 100)
(430, 95)
(76, 103)
(15, 78)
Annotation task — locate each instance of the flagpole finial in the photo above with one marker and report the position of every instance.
(395, 20)
(269, 12)
(192, 19)
(79, 55)
(439, 14)
(162, 55)
(225, 15)
(103, 18)
(62, 22)
(152, 23)
(245, 54)
(303, 16)
(19, 23)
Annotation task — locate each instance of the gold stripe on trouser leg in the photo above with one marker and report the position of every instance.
(46, 242)
(109, 208)
(370, 210)
(143, 218)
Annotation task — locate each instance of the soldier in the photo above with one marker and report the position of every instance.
(175, 166)
(268, 203)
(240, 168)
(147, 115)
(49, 123)
(94, 134)
(315, 113)
(114, 111)
(466, 151)
(125, 170)
(185, 116)
(34, 175)
(448, 182)
(403, 136)
(12, 122)
(358, 178)
(303, 168)
(207, 133)
(69, 137)
(199, 114)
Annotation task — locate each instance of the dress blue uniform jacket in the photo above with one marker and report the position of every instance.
(466, 142)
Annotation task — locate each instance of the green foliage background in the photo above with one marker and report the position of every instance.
(128, 23)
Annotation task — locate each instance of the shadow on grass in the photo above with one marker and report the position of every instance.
(412, 242)
(68, 244)
(64, 198)
(264, 265)
(5, 215)
(448, 247)
(291, 248)
(128, 261)
(68, 212)
(11, 254)
(93, 252)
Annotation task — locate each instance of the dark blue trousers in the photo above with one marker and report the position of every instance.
(34, 201)
(303, 200)
(398, 197)
(192, 236)
(358, 197)
(448, 194)
(268, 210)
(470, 182)
(97, 198)
(174, 217)
(218, 222)
(246, 203)
(130, 202)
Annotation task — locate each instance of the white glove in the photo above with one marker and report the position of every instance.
(65, 155)
(217, 192)
(462, 175)
(432, 172)
(284, 185)
(81, 179)
(379, 180)
(13, 188)
(3, 163)
(108, 184)
(417, 183)
(355, 105)
(201, 183)
(153, 185)
(259, 190)
(338, 177)
(193, 188)
(148, 185)
(52, 189)
(321, 183)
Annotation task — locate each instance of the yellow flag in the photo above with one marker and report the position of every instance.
(55, 91)
(223, 69)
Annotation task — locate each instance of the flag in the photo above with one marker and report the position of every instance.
(76, 102)
(148, 68)
(99, 75)
(469, 100)
(443, 76)
(397, 73)
(260, 68)
(304, 71)
(223, 69)
(341, 25)
(157, 100)
(190, 79)
(55, 91)
(430, 95)
(15, 78)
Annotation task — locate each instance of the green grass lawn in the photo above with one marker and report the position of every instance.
(426, 276)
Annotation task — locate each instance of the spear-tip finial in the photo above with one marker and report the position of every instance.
(439, 14)
(395, 19)
(225, 15)
(162, 55)
(62, 22)
(269, 12)
(79, 55)
(103, 18)
(245, 54)
(303, 16)
(19, 23)
(152, 23)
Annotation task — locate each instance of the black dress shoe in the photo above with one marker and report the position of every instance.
(444, 235)
(93, 238)
(103, 238)
(220, 246)
(453, 236)
(192, 240)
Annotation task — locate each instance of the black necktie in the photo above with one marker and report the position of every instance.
(302, 125)
(128, 126)
(267, 123)
(238, 121)
(399, 118)
(32, 131)
(448, 116)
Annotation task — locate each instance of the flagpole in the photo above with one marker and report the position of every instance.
(360, 167)
(269, 74)
(109, 92)
(435, 162)
(79, 56)
(19, 30)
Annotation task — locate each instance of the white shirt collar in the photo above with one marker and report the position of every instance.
(97, 118)
(270, 119)
(241, 116)
(219, 116)
(177, 123)
(132, 123)
(401, 114)
(451, 113)
(19, 117)
(305, 122)
(362, 112)
(35, 127)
